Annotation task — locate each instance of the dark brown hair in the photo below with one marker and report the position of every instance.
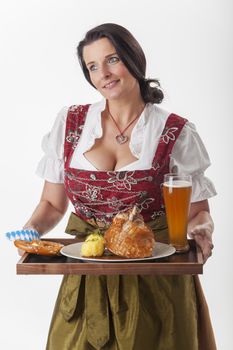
(130, 53)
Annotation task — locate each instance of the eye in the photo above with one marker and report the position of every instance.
(113, 59)
(92, 67)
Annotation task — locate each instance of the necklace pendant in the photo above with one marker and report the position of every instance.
(121, 139)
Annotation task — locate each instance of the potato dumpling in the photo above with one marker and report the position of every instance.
(93, 245)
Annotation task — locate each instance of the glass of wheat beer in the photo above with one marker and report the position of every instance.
(177, 191)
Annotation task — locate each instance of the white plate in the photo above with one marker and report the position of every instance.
(161, 250)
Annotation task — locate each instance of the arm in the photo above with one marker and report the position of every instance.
(201, 226)
(50, 210)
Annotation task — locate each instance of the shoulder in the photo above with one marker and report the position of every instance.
(81, 112)
(77, 109)
(77, 112)
(76, 116)
(191, 137)
(84, 108)
(162, 115)
(164, 122)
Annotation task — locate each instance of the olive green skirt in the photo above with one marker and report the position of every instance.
(130, 313)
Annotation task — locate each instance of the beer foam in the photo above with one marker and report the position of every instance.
(177, 183)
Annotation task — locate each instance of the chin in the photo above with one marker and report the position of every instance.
(113, 95)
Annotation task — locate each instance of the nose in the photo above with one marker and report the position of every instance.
(104, 72)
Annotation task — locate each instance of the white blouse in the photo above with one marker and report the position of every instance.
(189, 155)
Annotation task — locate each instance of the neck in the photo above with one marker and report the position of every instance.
(125, 111)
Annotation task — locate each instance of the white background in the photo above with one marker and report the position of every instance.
(188, 47)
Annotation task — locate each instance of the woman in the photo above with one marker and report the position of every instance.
(105, 158)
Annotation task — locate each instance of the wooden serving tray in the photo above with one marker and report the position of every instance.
(176, 264)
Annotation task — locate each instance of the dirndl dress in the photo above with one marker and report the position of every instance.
(125, 312)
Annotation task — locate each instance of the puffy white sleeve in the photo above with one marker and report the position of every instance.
(189, 156)
(51, 166)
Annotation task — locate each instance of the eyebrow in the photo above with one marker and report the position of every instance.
(111, 54)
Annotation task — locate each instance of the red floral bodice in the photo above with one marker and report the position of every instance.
(100, 195)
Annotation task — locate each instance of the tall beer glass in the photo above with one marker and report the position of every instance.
(177, 191)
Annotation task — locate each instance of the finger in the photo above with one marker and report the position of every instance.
(200, 230)
(205, 245)
(21, 252)
(206, 256)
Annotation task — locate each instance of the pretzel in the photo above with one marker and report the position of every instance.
(39, 247)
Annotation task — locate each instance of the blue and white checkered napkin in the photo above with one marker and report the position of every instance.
(26, 235)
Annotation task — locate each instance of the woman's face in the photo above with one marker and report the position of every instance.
(107, 72)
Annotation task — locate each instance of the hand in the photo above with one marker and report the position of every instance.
(35, 232)
(30, 228)
(27, 234)
(20, 252)
(202, 234)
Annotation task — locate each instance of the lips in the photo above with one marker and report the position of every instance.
(111, 84)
